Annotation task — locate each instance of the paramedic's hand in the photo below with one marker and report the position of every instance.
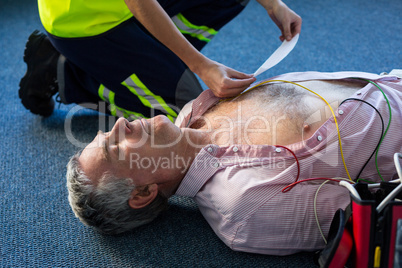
(223, 81)
(286, 19)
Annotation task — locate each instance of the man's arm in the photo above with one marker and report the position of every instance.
(215, 75)
(286, 19)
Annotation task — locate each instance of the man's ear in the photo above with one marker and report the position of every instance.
(143, 196)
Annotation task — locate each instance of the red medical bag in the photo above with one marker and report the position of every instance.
(362, 236)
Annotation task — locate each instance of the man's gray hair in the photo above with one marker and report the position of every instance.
(105, 206)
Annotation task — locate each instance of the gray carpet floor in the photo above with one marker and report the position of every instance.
(37, 227)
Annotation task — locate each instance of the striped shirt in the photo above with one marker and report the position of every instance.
(239, 188)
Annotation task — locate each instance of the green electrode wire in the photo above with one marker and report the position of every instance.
(386, 130)
(365, 180)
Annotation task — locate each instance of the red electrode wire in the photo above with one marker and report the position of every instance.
(290, 186)
(297, 160)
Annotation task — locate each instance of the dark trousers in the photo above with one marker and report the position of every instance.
(131, 71)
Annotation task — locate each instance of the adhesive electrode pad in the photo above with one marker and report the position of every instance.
(278, 55)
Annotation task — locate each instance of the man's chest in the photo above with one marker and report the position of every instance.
(280, 114)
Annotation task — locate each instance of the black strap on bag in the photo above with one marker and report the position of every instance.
(339, 243)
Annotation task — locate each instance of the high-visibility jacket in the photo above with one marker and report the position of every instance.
(82, 18)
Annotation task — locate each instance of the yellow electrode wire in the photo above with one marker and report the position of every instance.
(332, 111)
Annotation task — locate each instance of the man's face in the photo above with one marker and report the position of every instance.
(131, 149)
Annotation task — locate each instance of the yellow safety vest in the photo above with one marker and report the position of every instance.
(82, 18)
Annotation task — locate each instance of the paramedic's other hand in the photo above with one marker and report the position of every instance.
(223, 81)
(286, 19)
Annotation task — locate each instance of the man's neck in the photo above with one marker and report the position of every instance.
(191, 143)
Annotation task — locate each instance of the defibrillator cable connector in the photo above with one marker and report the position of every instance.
(395, 192)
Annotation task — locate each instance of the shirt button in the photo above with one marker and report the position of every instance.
(235, 149)
(209, 149)
(278, 150)
(216, 164)
(340, 112)
(319, 138)
(358, 93)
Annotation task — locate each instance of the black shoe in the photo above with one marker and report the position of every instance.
(40, 81)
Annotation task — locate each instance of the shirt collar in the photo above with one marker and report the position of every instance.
(204, 166)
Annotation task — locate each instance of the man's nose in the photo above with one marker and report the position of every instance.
(117, 130)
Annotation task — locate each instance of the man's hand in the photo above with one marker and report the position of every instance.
(286, 19)
(223, 81)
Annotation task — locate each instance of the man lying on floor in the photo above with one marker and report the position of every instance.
(235, 157)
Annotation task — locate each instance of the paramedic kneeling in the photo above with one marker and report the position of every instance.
(235, 157)
(137, 56)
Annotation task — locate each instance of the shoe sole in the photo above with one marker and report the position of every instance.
(23, 83)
